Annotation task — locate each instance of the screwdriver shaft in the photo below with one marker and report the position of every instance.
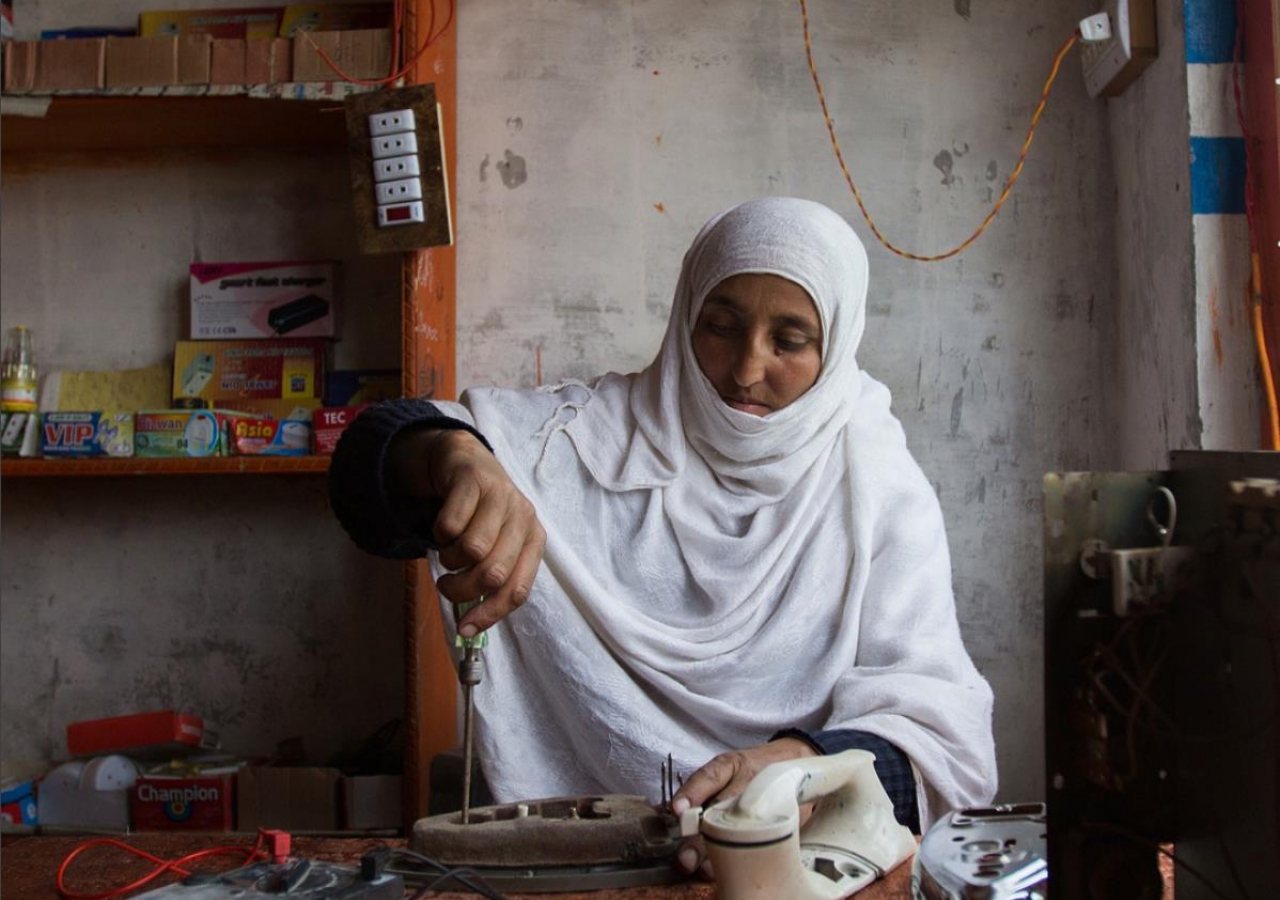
(466, 755)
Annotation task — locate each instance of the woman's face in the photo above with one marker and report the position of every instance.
(759, 341)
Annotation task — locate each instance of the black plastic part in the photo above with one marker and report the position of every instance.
(297, 313)
(374, 863)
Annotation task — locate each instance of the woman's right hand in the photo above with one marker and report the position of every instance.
(487, 531)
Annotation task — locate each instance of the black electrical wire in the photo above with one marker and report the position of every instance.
(464, 876)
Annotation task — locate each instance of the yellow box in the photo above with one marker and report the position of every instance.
(248, 370)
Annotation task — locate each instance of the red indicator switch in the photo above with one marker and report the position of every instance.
(400, 214)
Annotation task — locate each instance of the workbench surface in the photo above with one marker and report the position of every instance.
(29, 865)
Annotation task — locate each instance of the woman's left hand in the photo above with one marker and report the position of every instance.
(724, 778)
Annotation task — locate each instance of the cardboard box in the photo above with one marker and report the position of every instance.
(357, 387)
(327, 425)
(268, 60)
(194, 53)
(264, 300)
(255, 21)
(20, 65)
(140, 734)
(295, 799)
(249, 370)
(334, 17)
(71, 64)
(227, 65)
(166, 433)
(296, 408)
(18, 802)
(359, 54)
(142, 61)
(170, 803)
(19, 434)
(259, 436)
(86, 434)
(372, 802)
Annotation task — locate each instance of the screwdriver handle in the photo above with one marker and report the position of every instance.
(481, 640)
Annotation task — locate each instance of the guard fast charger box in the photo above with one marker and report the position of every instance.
(81, 434)
(248, 370)
(202, 803)
(239, 301)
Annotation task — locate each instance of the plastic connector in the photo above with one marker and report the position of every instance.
(278, 844)
(1096, 27)
(374, 863)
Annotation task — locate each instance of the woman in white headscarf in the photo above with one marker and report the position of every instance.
(730, 556)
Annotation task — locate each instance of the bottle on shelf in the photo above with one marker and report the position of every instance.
(18, 377)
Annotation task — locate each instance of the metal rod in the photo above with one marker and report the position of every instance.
(466, 756)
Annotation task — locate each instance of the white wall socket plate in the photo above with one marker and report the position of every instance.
(393, 122)
(394, 145)
(396, 167)
(400, 214)
(1113, 64)
(399, 191)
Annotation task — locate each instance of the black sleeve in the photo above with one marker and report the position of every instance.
(378, 520)
(892, 765)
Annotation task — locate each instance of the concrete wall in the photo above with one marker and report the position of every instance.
(240, 597)
(595, 137)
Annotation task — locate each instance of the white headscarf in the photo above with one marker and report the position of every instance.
(713, 576)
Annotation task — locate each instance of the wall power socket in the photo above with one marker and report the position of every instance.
(1111, 65)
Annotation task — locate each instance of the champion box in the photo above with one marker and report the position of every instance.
(202, 803)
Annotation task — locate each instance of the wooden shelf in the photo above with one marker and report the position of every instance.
(306, 118)
(225, 465)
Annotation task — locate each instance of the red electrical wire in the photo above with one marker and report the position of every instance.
(395, 74)
(173, 865)
(1009, 183)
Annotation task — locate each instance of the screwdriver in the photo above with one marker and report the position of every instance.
(470, 672)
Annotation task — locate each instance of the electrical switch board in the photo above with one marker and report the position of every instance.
(398, 173)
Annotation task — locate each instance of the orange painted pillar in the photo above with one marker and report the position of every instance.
(429, 359)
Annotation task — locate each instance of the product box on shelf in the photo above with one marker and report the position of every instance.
(328, 423)
(172, 803)
(258, 436)
(147, 734)
(71, 64)
(297, 799)
(18, 802)
(264, 300)
(86, 434)
(355, 387)
(334, 17)
(242, 22)
(141, 61)
(19, 434)
(20, 65)
(268, 60)
(164, 433)
(299, 408)
(372, 802)
(248, 370)
(365, 53)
